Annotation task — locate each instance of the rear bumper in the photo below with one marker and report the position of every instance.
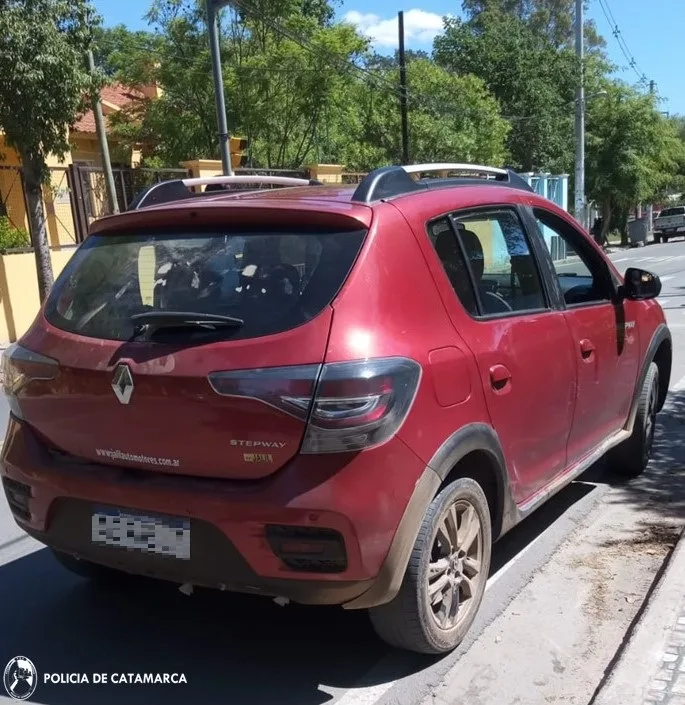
(362, 497)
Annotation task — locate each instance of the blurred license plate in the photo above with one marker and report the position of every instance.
(167, 536)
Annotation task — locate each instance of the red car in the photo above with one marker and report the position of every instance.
(334, 395)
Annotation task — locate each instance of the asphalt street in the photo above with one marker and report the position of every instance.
(564, 587)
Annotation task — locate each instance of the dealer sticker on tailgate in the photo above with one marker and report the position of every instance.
(169, 536)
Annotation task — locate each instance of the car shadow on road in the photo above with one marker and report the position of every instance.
(662, 487)
(231, 648)
(243, 649)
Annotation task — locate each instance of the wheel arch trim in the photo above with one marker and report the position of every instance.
(470, 438)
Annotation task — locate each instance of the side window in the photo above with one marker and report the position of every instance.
(582, 275)
(503, 268)
(441, 234)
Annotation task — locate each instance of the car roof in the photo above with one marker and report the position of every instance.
(338, 204)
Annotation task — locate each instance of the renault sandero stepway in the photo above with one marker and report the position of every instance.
(335, 395)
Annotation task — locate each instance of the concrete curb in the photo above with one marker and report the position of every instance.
(651, 667)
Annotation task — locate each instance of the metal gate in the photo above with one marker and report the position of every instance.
(89, 192)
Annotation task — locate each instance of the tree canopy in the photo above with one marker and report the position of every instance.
(303, 86)
(44, 82)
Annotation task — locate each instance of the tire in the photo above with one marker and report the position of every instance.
(631, 457)
(657, 238)
(664, 238)
(100, 574)
(409, 621)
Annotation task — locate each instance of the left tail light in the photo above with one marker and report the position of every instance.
(20, 367)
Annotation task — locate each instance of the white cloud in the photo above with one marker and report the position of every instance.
(420, 27)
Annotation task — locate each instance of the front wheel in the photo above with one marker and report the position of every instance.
(446, 576)
(657, 238)
(630, 459)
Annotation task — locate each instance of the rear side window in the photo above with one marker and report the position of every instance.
(273, 281)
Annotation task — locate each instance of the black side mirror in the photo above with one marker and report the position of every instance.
(640, 285)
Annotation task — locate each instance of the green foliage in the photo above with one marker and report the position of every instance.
(451, 118)
(43, 74)
(11, 237)
(633, 153)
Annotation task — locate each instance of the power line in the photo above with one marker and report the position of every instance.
(620, 40)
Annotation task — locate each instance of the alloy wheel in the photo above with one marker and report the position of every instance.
(454, 570)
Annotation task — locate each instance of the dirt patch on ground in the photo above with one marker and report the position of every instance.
(652, 539)
(612, 562)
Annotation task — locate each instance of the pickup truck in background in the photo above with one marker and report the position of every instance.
(670, 223)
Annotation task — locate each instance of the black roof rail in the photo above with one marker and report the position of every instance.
(390, 181)
(179, 189)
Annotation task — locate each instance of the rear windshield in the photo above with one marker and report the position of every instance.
(672, 211)
(273, 281)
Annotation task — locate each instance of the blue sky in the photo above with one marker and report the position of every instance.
(652, 32)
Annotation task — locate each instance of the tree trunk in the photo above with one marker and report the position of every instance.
(606, 222)
(37, 226)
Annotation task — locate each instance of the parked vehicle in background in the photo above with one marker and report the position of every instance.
(669, 223)
(336, 395)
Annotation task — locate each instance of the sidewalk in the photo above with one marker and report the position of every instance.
(651, 669)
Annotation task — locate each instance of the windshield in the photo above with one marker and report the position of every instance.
(273, 281)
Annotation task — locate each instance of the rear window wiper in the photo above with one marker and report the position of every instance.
(159, 320)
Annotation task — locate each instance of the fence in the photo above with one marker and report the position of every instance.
(75, 196)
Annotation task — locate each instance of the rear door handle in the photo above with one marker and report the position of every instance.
(587, 349)
(500, 377)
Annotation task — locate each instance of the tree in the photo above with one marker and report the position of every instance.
(283, 65)
(633, 153)
(533, 81)
(451, 118)
(44, 81)
(553, 20)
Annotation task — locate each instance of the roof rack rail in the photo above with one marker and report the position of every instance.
(390, 181)
(178, 189)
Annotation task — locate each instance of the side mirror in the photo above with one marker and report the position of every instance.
(640, 285)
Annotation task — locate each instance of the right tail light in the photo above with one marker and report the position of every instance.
(348, 406)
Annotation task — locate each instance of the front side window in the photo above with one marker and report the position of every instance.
(582, 278)
(268, 281)
(503, 267)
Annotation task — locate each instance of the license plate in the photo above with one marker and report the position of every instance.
(168, 536)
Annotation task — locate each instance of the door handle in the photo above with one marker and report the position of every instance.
(500, 377)
(587, 349)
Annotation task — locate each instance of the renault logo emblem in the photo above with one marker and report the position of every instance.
(122, 384)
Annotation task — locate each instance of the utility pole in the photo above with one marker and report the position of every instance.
(213, 32)
(579, 200)
(403, 91)
(650, 206)
(102, 137)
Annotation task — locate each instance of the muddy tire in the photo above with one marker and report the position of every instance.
(446, 576)
(631, 457)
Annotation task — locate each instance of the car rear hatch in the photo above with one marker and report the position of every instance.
(184, 349)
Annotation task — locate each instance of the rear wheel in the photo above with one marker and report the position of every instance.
(446, 576)
(631, 457)
(657, 238)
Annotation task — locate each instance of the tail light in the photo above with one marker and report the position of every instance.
(20, 367)
(348, 406)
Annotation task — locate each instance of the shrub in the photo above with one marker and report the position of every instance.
(11, 237)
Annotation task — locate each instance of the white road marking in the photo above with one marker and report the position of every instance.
(665, 279)
(370, 694)
(662, 302)
(621, 259)
(679, 385)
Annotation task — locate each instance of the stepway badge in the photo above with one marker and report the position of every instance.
(20, 678)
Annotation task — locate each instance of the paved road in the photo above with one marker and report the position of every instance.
(555, 581)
